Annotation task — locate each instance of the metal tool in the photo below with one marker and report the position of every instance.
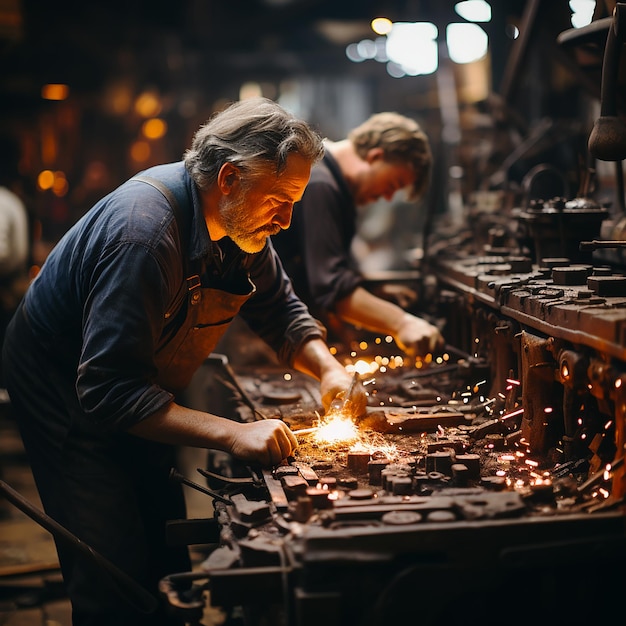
(176, 476)
(348, 403)
(305, 431)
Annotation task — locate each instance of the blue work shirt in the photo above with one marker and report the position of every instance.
(108, 295)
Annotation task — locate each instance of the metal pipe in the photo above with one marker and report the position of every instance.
(178, 477)
(127, 587)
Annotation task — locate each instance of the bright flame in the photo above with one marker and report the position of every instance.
(336, 427)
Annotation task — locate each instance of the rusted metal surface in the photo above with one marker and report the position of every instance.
(502, 456)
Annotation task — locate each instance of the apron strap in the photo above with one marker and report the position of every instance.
(193, 281)
(173, 202)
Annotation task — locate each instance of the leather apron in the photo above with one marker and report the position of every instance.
(209, 313)
(206, 311)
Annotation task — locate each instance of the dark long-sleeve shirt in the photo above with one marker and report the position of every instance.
(108, 294)
(316, 249)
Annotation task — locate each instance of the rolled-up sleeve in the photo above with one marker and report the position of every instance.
(128, 271)
(122, 322)
(104, 304)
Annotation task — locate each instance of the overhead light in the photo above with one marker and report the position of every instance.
(466, 42)
(474, 10)
(582, 12)
(413, 47)
(381, 25)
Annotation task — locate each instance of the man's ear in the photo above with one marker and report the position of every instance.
(227, 178)
(374, 154)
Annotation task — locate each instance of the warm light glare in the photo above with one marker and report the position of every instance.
(336, 428)
(54, 181)
(45, 180)
(118, 99)
(140, 151)
(148, 104)
(250, 90)
(381, 25)
(60, 185)
(362, 367)
(55, 91)
(154, 128)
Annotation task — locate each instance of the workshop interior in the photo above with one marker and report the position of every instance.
(486, 482)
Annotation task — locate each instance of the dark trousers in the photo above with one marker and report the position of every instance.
(110, 490)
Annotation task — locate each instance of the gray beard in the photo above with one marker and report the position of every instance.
(240, 227)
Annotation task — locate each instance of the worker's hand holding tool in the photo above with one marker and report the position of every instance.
(267, 442)
(352, 402)
(417, 337)
(332, 382)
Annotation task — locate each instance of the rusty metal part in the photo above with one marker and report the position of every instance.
(276, 492)
(596, 244)
(234, 480)
(179, 478)
(305, 431)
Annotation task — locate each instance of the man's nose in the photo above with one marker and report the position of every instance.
(283, 216)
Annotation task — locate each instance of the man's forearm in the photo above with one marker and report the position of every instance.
(314, 358)
(364, 309)
(179, 425)
(412, 334)
(263, 441)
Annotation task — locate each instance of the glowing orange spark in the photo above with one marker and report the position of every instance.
(335, 428)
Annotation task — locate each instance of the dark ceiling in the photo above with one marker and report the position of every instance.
(170, 42)
(209, 47)
(200, 51)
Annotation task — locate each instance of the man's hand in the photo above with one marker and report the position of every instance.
(352, 399)
(267, 442)
(416, 337)
(315, 359)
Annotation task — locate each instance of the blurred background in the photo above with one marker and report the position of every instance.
(508, 91)
(92, 92)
